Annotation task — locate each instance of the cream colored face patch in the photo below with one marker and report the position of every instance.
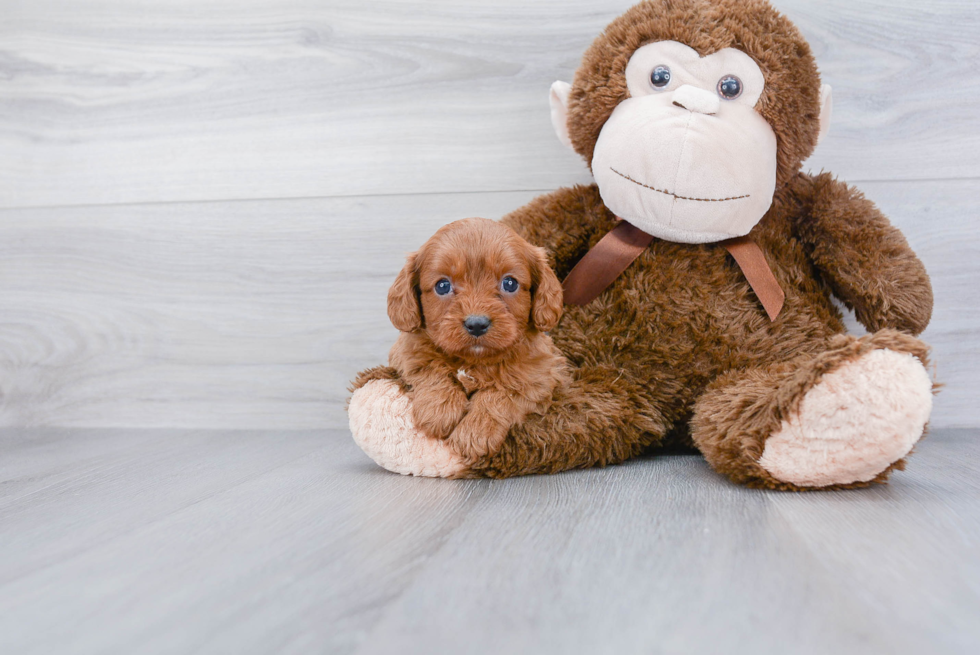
(686, 67)
(687, 158)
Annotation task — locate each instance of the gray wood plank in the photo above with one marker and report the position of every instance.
(930, 561)
(121, 102)
(245, 315)
(664, 556)
(325, 552)
(257, 314)
(301, 554)
(66, 491)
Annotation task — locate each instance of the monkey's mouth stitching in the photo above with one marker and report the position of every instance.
(674, 195)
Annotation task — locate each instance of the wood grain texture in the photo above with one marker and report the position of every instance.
(257, 314)
(112, 101)
(294, 542)
(241, 315)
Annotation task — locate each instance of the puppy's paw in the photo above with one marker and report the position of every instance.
(436, 413)
(476, 440)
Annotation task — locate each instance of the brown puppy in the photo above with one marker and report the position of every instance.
(473, 305)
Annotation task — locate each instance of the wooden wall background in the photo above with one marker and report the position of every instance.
(202, 202)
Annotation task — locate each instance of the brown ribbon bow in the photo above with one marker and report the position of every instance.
(623, 244)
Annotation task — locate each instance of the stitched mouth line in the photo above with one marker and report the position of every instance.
(674, 195)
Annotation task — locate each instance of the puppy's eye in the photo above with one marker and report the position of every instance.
(509, 285)
(443, 287)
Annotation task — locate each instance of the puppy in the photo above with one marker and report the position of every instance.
(473, 306)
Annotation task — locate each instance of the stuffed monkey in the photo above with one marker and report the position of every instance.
(699, 270)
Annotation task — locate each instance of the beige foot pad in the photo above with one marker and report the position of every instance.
(381, 421)
(854, 423)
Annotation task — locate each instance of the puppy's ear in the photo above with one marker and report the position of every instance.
(404, 304)
(546, 293)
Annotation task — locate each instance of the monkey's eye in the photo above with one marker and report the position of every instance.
(660, 77)
(443, 287)
(730, 87)
(509, 285)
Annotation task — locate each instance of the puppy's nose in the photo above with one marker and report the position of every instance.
(477, 325)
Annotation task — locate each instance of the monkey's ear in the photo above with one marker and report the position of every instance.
(826, 110)
(547, 295)
(559, 111)
(404, 306)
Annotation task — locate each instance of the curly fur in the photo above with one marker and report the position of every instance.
(473, 389)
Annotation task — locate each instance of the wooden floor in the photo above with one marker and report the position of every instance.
(165, 541)
(201, 208)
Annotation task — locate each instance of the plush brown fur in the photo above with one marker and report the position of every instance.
(741, 408)
(473, 389)
(679, 351)
(683, 317)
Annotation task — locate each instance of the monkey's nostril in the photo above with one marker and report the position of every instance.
(696, 100)
(477, 325)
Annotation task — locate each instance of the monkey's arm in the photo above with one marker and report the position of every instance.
(565, 223)
(866, 261)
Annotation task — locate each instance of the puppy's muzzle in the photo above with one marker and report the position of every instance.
(477, 325)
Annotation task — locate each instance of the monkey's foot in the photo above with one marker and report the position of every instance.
(854, 424)
(381, 421)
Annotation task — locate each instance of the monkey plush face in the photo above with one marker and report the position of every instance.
(684, 110)
(686, 157)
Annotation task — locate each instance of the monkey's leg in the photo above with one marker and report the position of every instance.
(843, 416)
(596, 420)
(380, 416)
